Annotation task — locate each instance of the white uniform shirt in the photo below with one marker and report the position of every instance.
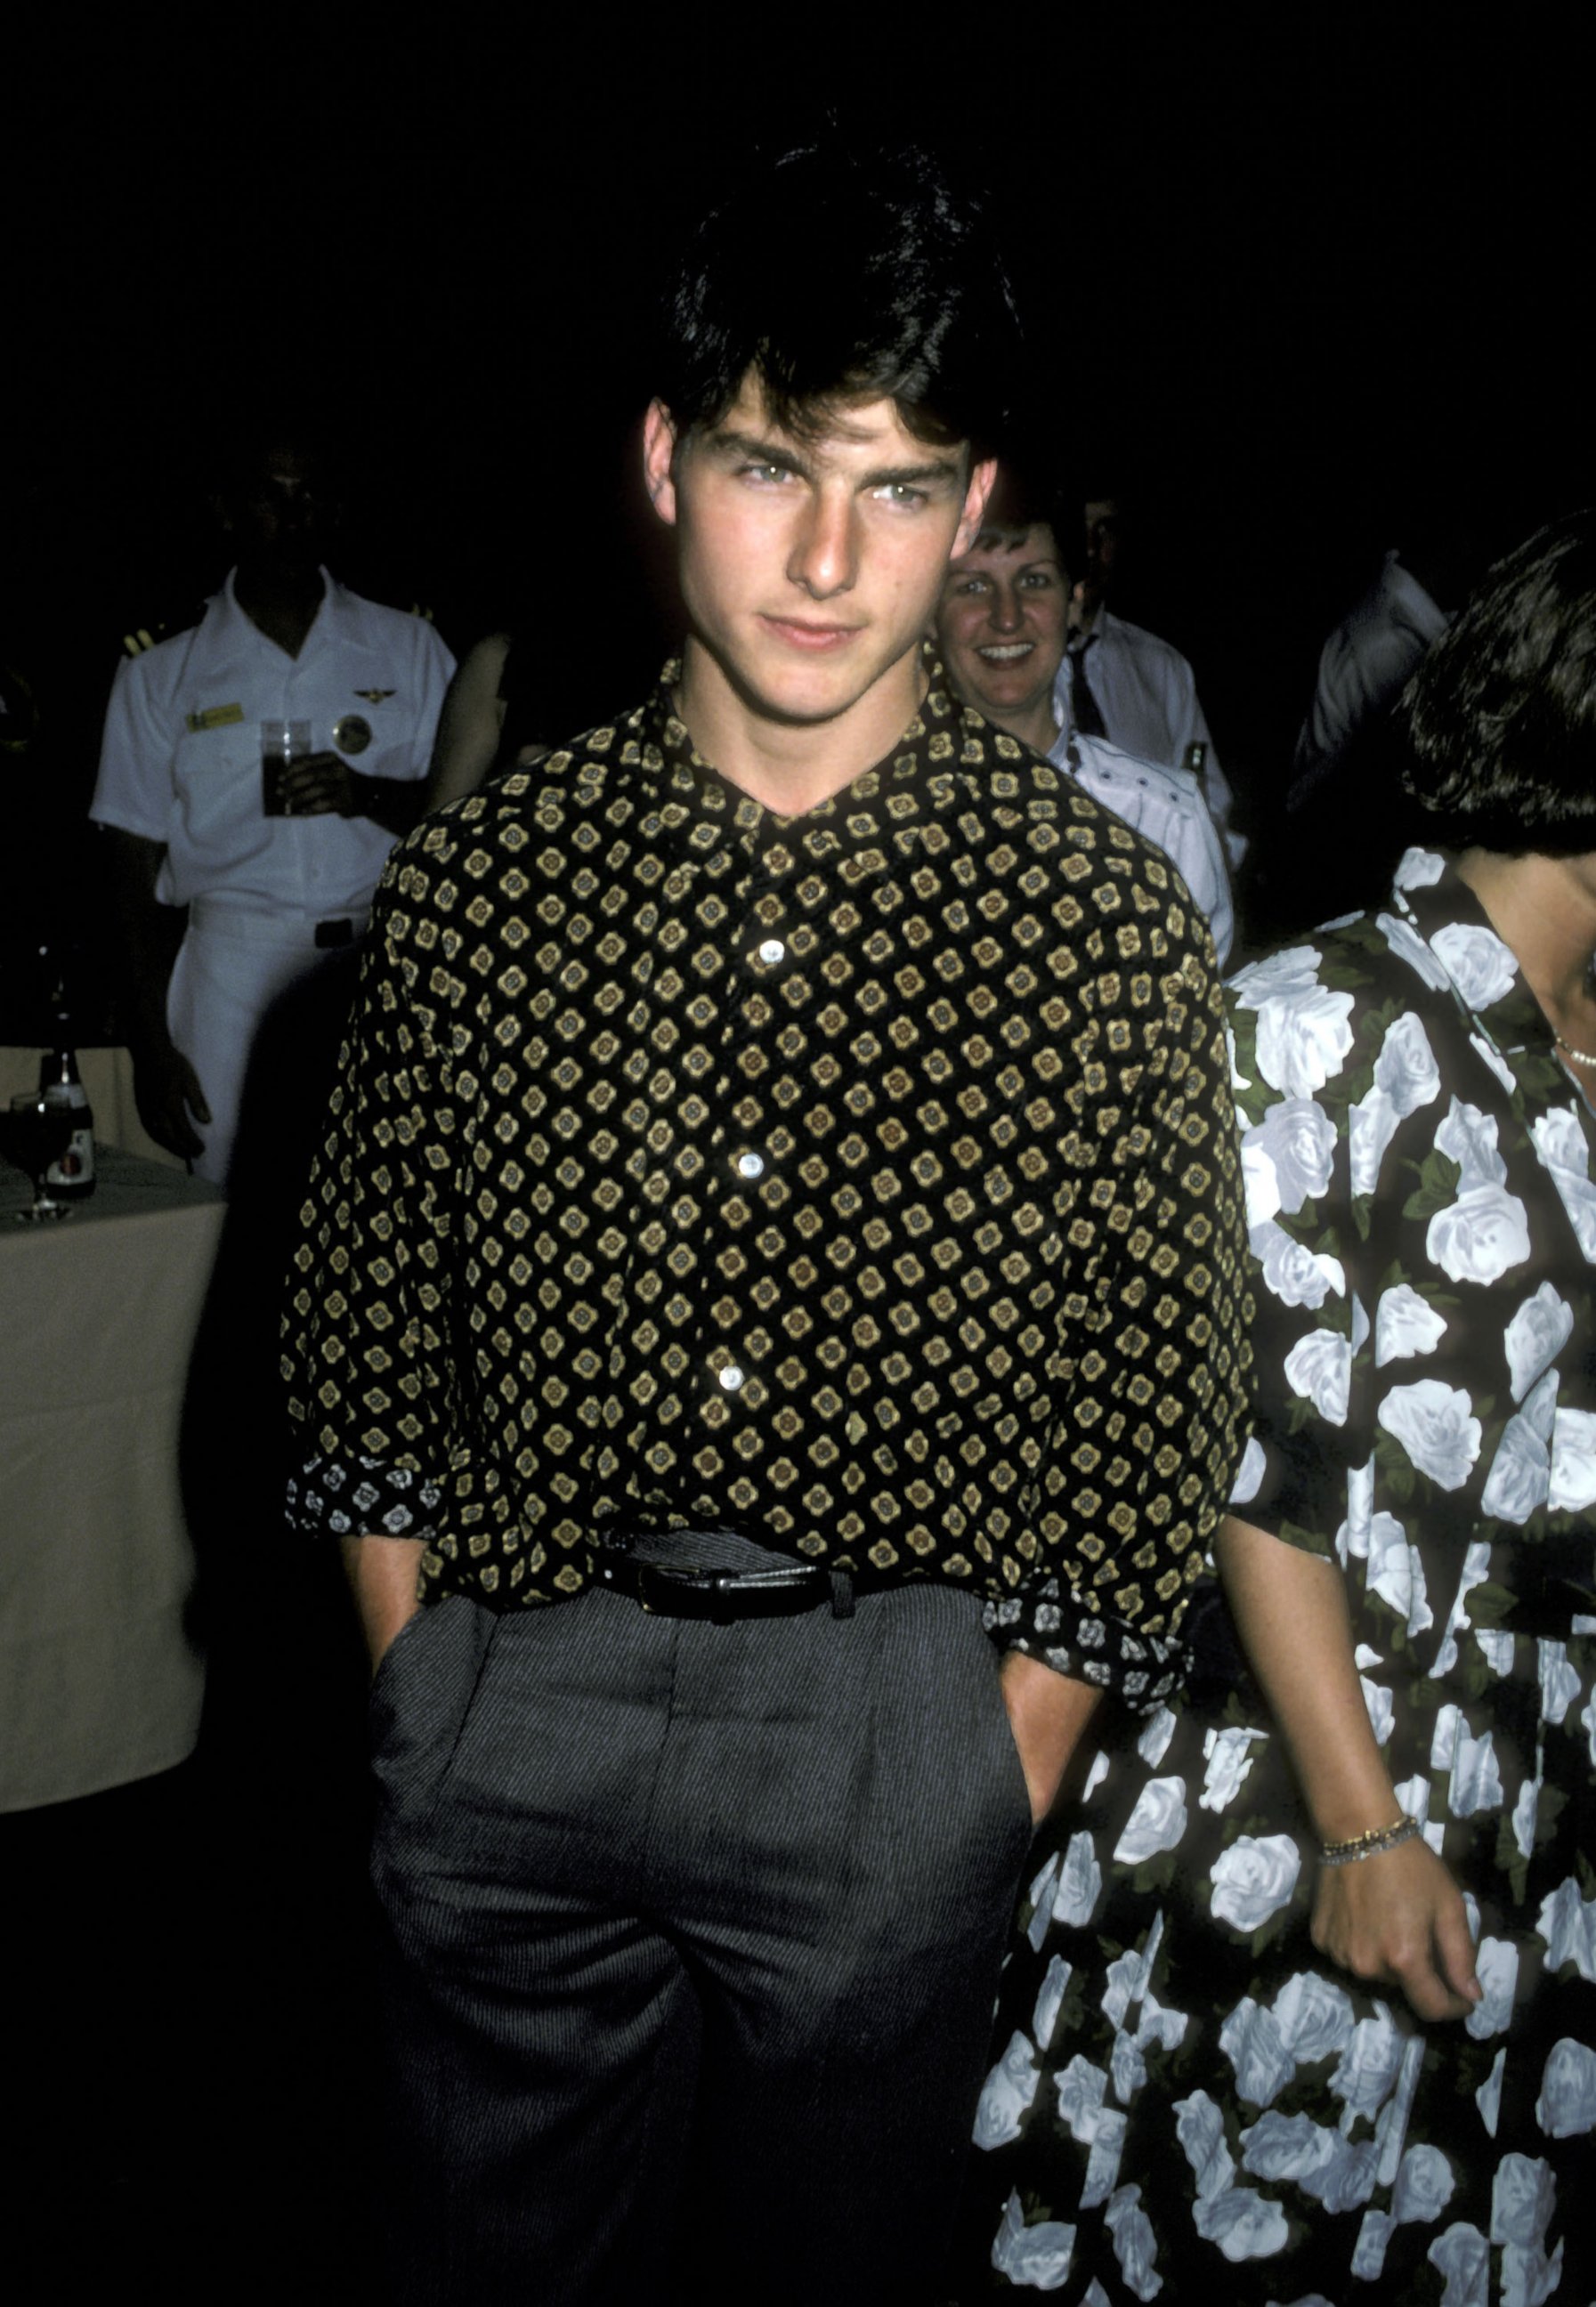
(181, 760)
(1166, 806)
(1146, 693)
(1367, 659)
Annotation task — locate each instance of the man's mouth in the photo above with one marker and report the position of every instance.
(798, 634)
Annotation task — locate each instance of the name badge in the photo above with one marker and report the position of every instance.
(215, 716)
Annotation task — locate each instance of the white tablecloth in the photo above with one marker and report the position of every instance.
(100, 1683)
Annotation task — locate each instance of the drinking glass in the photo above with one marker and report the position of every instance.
(282, 743)
(40, 1132)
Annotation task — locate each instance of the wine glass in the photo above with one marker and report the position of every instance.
(40, 1133)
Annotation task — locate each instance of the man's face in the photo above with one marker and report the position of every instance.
(809, 569)
(279, 516)
(1002, 623)
(1103, 540)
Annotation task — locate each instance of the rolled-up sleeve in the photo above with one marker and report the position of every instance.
(1152, 1336)
(370, 1378)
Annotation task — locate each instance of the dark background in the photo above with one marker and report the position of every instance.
(1296, 279)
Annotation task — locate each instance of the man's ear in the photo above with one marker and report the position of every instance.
(659, 457)
(221, 512)
(982, 477)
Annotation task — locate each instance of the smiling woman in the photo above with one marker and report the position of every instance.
(1003, 622)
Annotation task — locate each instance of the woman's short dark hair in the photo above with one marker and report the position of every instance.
(1500, 716)
(838, 274)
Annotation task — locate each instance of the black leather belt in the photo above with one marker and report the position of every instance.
(723, 1595)
(338, 931)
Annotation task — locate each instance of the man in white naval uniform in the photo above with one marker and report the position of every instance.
(182, 799)
(1001, 626)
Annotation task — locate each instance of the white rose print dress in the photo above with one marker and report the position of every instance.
(1185, 2102)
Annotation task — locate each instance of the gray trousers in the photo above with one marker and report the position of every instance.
(695, 1933)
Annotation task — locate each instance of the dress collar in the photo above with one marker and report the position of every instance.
(1467, 954)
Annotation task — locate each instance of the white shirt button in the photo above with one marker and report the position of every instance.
(773, 950)
(731, 1377)
(751, 1165)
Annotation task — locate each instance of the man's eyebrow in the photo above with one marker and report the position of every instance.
(784, 453)
(935, 469)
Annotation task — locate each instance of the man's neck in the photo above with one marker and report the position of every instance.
(792, 766)
(283, 608)
(1543, 912)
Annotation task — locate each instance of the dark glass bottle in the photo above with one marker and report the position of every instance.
(70, 1178)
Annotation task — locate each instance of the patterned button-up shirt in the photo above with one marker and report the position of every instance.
(866, 1182)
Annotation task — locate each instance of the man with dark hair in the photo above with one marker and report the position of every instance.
(228, 888)
(778, 1235)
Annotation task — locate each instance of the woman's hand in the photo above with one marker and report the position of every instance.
(1399, 1920)
(1047, 1713)
(1395, 1920)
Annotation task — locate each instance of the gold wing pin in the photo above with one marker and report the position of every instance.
(374, 696)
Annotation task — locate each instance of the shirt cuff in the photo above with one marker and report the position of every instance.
(1047, 1624)
(363, 1498)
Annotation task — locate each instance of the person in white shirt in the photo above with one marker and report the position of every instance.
(183, 801)
(1001, 625)
(1120, 682)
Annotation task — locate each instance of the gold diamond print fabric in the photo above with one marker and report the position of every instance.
(865, 1182)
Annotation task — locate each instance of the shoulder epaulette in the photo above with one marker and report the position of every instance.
(148, 636)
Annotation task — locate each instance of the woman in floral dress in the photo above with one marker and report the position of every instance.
(1229, 2068)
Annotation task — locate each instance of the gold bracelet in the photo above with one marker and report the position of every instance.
(1401, 1829)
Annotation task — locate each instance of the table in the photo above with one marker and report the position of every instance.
(100, 1683)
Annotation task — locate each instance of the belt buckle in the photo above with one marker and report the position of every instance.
(664, 1586)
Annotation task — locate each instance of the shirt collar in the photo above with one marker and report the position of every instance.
(329, 610)
(875, 821)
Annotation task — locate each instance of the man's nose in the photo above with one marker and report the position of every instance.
(825, 557)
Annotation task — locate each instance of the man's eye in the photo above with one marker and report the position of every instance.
(763, 473)
(900, 492)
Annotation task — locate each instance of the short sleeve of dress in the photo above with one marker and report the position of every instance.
(1307, 1058)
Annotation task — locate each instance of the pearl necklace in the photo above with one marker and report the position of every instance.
(1580, 1057)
